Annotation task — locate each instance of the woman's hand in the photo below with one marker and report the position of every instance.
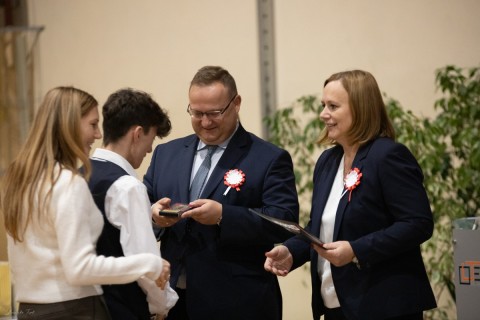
(338, 253)
(279, 261)
(164, 276)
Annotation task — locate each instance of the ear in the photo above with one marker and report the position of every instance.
(237, 101)
(137, 132)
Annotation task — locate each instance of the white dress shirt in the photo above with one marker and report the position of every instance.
(327, 289)
(127, 207)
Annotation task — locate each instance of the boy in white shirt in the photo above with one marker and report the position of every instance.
(131, 122)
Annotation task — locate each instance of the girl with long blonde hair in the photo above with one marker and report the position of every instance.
(52, 222)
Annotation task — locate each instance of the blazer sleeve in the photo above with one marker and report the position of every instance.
(299, 246)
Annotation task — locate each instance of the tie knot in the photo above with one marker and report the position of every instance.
(211, 149)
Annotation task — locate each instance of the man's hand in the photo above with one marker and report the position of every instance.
(159, 220)
(205, 211)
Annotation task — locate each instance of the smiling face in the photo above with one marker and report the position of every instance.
(214, 97)
(336, 113)
(89, 129)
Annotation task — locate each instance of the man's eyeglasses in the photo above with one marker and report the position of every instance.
(215, 114)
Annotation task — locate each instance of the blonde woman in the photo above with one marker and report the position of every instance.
(51, 219)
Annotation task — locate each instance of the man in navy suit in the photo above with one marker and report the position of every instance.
(217, 248)
(369, 208)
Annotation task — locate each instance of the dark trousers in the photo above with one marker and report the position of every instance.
(334, 314)
(337, 314)
(89, 308)
(414, 316)
(126, 302)
(179, 311)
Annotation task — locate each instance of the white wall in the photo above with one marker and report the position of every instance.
(157, 46)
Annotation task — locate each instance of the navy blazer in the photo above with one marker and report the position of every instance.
(224, 265)
(386, 219)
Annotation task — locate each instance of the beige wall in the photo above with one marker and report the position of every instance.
(152, 45)
(400, 42)
(157, 46)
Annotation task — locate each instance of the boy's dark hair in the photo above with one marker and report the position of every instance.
(128, 107)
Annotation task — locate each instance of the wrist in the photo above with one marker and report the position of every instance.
(356, 262)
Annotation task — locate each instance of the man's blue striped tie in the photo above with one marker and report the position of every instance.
(200, 178)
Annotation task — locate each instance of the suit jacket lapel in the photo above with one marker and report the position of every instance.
(325, 183)
(236, 148)
(343, 204)
(186, 161)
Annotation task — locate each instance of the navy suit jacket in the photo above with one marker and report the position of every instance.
(224, 264)
(386, 219)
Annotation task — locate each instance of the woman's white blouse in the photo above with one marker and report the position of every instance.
(57, 260)
(327, 288)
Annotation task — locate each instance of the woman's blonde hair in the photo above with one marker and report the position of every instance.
(369, 115)
(54, 138)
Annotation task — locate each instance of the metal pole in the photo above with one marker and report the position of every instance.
(266, 31)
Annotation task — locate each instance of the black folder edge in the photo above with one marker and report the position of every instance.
(175, 211)
(293, 227)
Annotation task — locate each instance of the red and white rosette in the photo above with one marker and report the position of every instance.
(352, 180)
(233, 179)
